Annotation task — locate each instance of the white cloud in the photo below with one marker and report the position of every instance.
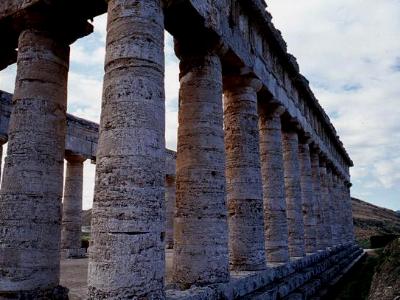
(350, 52)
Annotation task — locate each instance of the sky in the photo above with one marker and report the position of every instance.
(348, 49)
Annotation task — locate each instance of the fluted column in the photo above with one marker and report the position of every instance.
(325, 200)
(307, 195)
(72, 208)
(332, 204)
(293, 193)
(349, 214)
(201, 228)
(31, 192)
(319, 208)
(338, 210)
(127, 252)
(243, 174)
(271, 153)
(170, 191)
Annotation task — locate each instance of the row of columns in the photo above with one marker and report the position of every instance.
(247, 189)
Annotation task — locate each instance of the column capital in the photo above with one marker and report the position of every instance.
(74, 158)
(234, 82)
(3, 140)
(305, 139)
(290, 123)
(188, 49)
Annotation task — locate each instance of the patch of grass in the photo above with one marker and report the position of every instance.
(85, 237)
(364, 243)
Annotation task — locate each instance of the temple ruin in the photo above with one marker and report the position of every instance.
(255, 203)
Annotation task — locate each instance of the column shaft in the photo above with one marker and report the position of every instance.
(332, 204)
(319, 209)
(308, 199)
(275, 220)
(170, 191)
(31, 192)
(201, 229)
(293, 193)
(338, 211)
(325, 199)
(243, 175)
(127, 253)
(349, 215)
(72, 209)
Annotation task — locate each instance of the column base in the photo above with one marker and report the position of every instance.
(57, 293)
(73, 253)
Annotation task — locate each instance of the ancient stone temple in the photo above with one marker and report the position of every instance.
(255, 203)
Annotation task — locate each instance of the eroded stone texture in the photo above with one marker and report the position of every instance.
(126, 256)
(275, 221)
(243, 174)
(200, 227)
(72, 208)
(307, 195)
(325, 199)
(30, 196)
(294, 204)
(320, 232)
(349, 214)
(337, 212)
(333, 208)
(170, 191)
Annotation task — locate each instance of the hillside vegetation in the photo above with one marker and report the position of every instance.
(371, 220)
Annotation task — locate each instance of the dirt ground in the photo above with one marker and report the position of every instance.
(74, 275)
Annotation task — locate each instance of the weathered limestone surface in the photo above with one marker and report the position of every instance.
(319, 211)
(201, 229)
(349, 214)
(325, 199)
(81, 137)
(72, 208)
(302, 277)
(308, 199)
(170, 191)
(253, 39)
(126, 257)
(276, 227)
(293, 193)
(337, 211)
(331, 206)
(243, 174)
(30, 196)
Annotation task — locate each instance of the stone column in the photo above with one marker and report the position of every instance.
(307, 195)
(293, 193)
(243, 174)
(331, 206)
(72, 209)
(170, 191)
(319, 208)
(201, 228)
(325, 199)
(31, 192)
(127, 252)
(338, 210)
(349, 214)
(275, 220)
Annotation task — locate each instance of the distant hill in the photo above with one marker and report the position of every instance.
(370, 220)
